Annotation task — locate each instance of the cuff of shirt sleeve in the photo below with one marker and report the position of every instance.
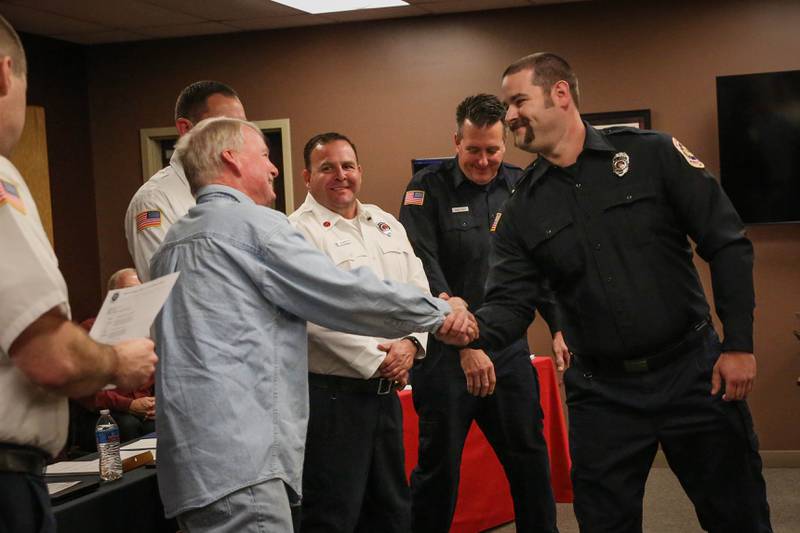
(738, 334)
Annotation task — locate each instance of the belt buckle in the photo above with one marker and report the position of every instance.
(635, 366)
(387, 383)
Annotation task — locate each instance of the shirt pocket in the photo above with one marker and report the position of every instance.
(348, 257)
(463, 240)
(632, 208)
(555, 246)
(395, 259)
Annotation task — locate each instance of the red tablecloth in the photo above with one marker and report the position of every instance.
(484, 500)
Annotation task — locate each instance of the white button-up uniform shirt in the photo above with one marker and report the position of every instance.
(165, 197)
(374, 239)
(30, 285)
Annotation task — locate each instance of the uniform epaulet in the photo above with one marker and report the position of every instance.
(614, 130)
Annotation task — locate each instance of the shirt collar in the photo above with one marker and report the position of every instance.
(594, 140)
(177, 167)
(459, 177)
(329, 218)
(215, 191)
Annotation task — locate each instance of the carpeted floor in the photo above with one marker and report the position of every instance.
(668, 510)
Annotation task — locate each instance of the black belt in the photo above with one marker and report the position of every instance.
(650, 363)
(22, 459)
(379, 386)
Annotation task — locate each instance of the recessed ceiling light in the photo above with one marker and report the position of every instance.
(316, 7)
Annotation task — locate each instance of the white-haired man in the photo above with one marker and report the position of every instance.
(233, 336)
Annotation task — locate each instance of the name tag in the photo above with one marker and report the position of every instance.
(344, 242)
(464, 209)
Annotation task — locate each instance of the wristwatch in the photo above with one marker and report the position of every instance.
(417, 345)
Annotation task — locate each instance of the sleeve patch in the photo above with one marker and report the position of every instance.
(148, 219)
(10, 195)
(689, 156)
(414, 198)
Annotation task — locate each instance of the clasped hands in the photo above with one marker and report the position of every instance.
(460, 327)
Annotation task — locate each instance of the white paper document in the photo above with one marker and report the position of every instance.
(73, 467)
(55, 488)
(87, 467)
(141, 444)
(129, 313)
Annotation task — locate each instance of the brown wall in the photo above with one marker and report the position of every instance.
(57, 82)
(393, 86)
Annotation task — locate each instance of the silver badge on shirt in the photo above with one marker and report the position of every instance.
(620, 163)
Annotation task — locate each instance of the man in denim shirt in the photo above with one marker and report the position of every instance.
(233, 336)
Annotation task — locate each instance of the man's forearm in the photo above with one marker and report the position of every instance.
(59, 356)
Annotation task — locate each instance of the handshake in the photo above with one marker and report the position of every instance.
(460, 327)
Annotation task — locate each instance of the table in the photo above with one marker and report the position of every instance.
(131, 504)
(484, 499)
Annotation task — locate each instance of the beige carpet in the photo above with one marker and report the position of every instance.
(668, 510)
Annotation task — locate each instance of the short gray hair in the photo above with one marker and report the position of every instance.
(201, 148)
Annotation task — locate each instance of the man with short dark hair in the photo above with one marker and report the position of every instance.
(166, 197)
(449, 211)
(604, 217)
(233, 337)
(44, 357)
(354, 471)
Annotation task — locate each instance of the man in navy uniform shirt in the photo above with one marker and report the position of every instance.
(604, 218)
(449, 212)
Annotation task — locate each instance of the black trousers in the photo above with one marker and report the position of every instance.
(25, 504)
(354, 476)
(618, 421)
(511, 419)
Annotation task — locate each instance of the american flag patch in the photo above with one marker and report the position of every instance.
(10, 195)
(414, 198)
(496, 220)
(148, 219)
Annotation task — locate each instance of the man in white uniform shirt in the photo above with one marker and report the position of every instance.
(353, 473)
(166, 197)
(43, 356)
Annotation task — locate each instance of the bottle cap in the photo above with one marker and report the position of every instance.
(104, 411)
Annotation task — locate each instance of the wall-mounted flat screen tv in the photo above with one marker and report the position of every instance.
(759, 144)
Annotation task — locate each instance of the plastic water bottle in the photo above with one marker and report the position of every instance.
(107, 436)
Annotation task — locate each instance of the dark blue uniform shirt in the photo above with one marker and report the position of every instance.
(449, 225)
(615, 250)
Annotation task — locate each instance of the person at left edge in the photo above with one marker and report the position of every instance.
(233, 337)
(354, 471)
(166, 197)
(44, 357)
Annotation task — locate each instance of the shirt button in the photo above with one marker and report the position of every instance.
(610, 279)
(597, 246)
(578, 185)
(463, 223)
(629, 197)
(548, 231)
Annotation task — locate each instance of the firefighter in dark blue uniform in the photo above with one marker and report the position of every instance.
(448, 212)
(605, 218)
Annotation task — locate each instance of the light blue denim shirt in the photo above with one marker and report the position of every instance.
(231, 382)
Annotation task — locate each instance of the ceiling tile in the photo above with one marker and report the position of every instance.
(268, 23)
(114, 36)
(42, 23)
(127, 14)
(372, 14)
(185, 30)
(218, 10)
(457, 6)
